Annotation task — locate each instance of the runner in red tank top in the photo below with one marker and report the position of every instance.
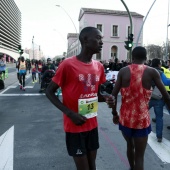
(135, 82)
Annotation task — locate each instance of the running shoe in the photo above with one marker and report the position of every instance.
(20, 87)
(33, 82)
(154, 120)
(23, 88)
(159, 140)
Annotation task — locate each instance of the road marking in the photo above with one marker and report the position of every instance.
(7, 149)
(162, 149)
(166, 111)
(25, 94)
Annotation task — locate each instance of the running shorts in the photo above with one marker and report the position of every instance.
(21, 72)
(130, 132)
(78, 144)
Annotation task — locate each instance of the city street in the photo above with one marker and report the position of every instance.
(32, 136)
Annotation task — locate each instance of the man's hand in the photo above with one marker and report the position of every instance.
(116, 119)
(77, 118)
(110, 100)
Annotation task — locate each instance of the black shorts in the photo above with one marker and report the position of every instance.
(78, 144)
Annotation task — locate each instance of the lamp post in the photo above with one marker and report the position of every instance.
(167, 43)
(33, 46)
(131, 26)
(143, 23)
(166, 50)
(73, 25)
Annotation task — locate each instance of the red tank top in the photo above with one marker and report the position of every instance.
(134, 112)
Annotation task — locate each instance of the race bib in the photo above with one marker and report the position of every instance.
(39, 66)
(88, 107)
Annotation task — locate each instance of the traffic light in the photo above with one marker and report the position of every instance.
(21, 51)
(129, 43)
(19, 48)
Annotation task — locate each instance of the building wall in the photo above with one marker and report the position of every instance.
(10, 26)
(108, 41)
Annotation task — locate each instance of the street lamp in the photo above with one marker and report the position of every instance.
(73, 24)
(33, 46)
(166, 51)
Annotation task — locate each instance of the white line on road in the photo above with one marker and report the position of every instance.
(25, 94)
(162, 149)
(7, 149)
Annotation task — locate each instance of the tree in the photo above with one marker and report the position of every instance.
(64, 54)
(154, 51)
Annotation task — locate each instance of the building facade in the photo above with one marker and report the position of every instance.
(115, 26)
(10, 28)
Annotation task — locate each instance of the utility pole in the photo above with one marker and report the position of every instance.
(131, 26)
(143, 24)
(33, 46)
(167, 43)
(74, 27)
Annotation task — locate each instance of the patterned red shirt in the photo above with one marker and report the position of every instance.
(134, 112)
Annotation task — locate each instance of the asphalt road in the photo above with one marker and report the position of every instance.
(37, 139)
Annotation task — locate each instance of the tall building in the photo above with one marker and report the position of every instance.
(10, 28)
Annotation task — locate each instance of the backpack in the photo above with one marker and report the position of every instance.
(156, 94)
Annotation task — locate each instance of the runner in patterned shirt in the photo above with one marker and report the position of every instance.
(134, 82)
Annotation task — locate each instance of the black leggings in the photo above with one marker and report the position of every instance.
(22, 79)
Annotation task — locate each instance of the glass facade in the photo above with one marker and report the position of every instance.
(10, 25)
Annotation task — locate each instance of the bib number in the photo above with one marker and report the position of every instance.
(88, 107)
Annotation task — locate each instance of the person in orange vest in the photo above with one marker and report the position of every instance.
(22, 73)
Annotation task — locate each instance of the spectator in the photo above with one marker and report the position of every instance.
(117, 65)
(2, 67)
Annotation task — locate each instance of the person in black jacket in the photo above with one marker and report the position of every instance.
(48, 72)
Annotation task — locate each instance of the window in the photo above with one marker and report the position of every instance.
(115, 31)
(98, 56)
(99, 26)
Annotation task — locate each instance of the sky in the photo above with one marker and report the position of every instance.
(50, 24)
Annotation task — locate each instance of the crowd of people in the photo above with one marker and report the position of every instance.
(37, 68)
(80, 78)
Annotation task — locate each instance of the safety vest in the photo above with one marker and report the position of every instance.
(167, 74)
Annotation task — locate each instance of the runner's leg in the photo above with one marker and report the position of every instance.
(91, 156)
(86, 162)
(130, 150)
(140, 146)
